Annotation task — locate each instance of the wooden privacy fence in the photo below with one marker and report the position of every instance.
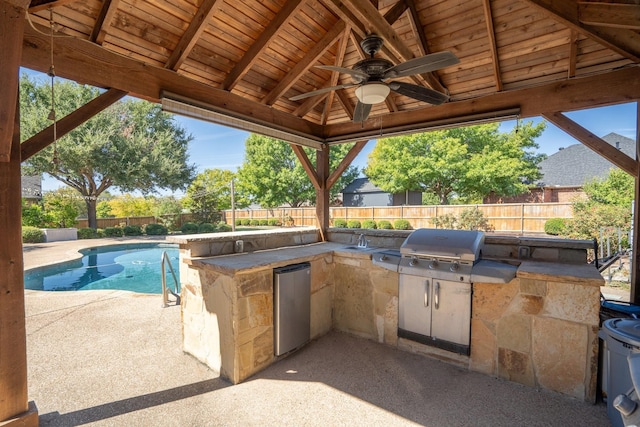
(507, 217)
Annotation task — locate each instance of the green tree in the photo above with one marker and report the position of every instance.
(616, 189)
(273, 176)
(133, 145)
(465, 163)
(62, 207)
(210, 192)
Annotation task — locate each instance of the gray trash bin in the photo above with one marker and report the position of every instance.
(621, 338)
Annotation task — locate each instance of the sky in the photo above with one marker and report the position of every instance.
(215, 146)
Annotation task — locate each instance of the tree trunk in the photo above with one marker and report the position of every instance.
(92, 220)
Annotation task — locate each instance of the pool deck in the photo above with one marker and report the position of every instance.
(114, 358)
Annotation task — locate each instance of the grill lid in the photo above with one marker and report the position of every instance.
(463, 245)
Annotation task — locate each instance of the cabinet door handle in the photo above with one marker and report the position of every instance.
(426, 293)
(436, 295)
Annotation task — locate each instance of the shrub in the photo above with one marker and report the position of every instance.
(354, 223)
(155, 230)
(132, 230)
(254, 222)
(32, 235)
(447, 221)
(369, 224)
(384, 225)
(189, 228)
(555, 226)
(340, 223)
(473, 219)
(245, 221)
(263, 222)
(113, 232)
(223, 227)
(401, 224)
(87, 233)
(238, 221)
(274, 222)
(206, 227)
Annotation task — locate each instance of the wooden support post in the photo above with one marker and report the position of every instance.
(635, 244)
(14, 406)
(322, 193)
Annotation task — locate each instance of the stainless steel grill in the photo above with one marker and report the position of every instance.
(436, 269)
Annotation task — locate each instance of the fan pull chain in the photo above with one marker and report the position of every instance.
(52, 113)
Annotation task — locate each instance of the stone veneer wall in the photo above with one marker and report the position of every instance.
(228, 321)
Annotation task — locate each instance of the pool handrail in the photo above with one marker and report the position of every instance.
(165, 291)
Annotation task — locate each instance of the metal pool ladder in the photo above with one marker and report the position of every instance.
(165, 292)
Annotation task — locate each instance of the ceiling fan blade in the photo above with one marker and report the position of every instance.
(361, 112)
(420, 65)
(321, 91)
(354, 73)
(420, 93)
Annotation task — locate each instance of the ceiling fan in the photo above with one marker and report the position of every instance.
(371, 77)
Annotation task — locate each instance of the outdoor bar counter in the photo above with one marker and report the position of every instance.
(540, 329)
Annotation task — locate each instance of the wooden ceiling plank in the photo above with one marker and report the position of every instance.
(253, 54)
(573, 53)
(592, 91)
(615, 15)
(624, 41)
(346, 161)
(307, 62)
(598, 145)
(69, 122)
(306, 165)
(12, 23)
(491, 33)
(346, 103)
(192, 34)
(89, 63)
(105, 17)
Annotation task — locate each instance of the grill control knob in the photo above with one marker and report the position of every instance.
(433, 264)
(413, 261)
(383, 258)
(454, 267)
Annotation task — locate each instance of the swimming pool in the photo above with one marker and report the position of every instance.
(130, 267)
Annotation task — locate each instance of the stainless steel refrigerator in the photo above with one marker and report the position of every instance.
(291, 307)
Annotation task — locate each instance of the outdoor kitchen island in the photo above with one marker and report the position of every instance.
(539, 329)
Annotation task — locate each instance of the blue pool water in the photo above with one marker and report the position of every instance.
(126, 267)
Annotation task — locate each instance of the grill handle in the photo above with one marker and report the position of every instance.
(436, 295)
(426, 293)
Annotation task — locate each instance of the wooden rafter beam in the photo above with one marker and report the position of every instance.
(307, 166)
(599, 90)
(309, 104)
(416, 26)
(69, 122)
(342, 48)
(251, 56)
(624, 41)
(598, 145)
(346, 103)
(192, 34)
(40, 5)
(105, 17)
(615, 15)
(491, 33)
(305, 63)
(89, 63)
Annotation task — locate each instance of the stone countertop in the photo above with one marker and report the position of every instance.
(271, 258)
(585, 274)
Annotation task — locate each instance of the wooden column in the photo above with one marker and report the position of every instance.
(14, 406)
(635, 244)
(322, 192)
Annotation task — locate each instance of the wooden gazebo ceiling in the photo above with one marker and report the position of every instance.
(246, 58)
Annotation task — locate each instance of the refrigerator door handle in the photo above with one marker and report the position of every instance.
(426, 293)
(436, 295)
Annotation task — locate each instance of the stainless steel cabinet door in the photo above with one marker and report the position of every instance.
(451, 311)
(415, 302)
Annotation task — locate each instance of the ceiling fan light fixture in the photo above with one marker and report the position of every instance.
(372, 93)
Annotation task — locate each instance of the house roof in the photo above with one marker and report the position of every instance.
(576, 164)
(239, 62)
(362, 185)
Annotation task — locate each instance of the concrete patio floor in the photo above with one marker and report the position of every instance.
(114, 358)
